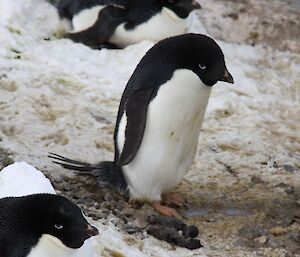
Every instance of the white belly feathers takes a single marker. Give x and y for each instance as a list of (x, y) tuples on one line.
[(49, 246), (162, 25), (170, 138), (86, 18)]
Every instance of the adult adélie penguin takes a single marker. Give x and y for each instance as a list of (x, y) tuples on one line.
[(159, 120), (121, 23)]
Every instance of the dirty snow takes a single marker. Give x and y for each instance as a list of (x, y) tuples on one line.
[(62, 97)]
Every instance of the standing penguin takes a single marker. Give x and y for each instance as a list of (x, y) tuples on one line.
[(34, 222), (159, 119), (124, 22)]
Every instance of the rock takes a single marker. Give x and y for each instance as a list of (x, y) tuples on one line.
[(131, 229), (108, 197), (295, 237), (289, 168), (67, 187), (261, 240), (276, 231), (79, 195), (128, 212)]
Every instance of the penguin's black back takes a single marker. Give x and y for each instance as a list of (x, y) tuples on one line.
[(139, 11), (68, 8), (23, 220), (16, 239)]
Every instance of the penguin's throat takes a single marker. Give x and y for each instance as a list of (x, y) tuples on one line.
[(171, 14)]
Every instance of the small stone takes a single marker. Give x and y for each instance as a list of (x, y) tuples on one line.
[(130, 229), (276, 231), (289, 168), (106, 205), (295, 237), (108, 197), (67, 187), (78, 195), (261, 240), (128, 212)]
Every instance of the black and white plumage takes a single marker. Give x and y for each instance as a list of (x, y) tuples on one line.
[(124, 22), (160, 117), (34, 222), (42, 225)]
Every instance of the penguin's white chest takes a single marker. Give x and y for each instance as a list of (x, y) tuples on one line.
[(49, 246), (170, 138), (86, 18), (162, 25)]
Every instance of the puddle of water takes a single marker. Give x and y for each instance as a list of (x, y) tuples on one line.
[(236, 212), (199, 212), (196, 212)]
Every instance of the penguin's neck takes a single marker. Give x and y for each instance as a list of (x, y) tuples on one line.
[(51, 246)]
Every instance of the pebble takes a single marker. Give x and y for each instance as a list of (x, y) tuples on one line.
[(261, 240), (289, 168), (108, 197), (67, 187), (295, 237), (276, 231), (130, 229), (128, 212)]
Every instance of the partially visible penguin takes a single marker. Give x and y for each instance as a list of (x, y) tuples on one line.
[(124, 22), (159, 119), (34, 222)]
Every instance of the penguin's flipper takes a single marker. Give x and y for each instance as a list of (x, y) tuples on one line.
[(109, 18), (136, 112)]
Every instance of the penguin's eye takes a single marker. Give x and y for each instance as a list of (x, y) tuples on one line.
[(202, 66), (58, 226)]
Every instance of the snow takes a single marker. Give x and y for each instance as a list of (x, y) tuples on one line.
[(59, 96), (20, 179)]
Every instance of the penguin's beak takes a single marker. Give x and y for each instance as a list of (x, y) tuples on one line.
[(195, 5), (191, 5), (92, 231), (227, 77)]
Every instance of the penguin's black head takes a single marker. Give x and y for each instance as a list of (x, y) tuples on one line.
[(64, 220), (181, 8), (203, 56)]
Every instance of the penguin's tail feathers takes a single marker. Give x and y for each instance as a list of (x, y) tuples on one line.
[(106, 173)]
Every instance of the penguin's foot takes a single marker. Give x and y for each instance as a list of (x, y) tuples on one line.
[(173, 198), (165, 210)]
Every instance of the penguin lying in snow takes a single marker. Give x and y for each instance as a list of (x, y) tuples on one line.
[(40, 224), (159, 119), (119, 23)]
